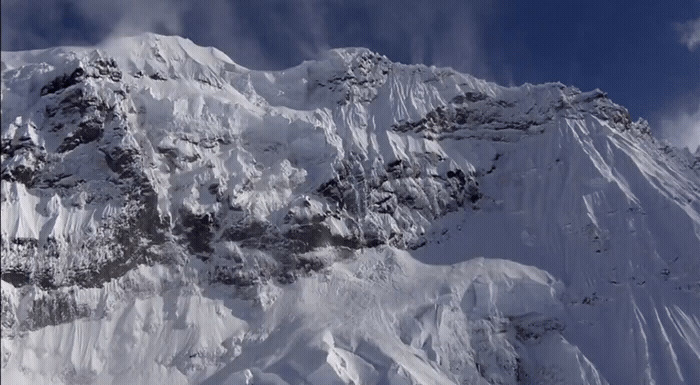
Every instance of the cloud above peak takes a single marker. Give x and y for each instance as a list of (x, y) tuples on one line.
[(682, 128), (31, 24), (270, 34), (690, 33)]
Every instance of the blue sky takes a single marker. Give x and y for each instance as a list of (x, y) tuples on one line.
[(645, 53)]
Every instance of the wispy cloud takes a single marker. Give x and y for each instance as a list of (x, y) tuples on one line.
[(447, 33), (682, 128), (681, 125), (690, 33), (126, 17), (30, 24), (27, 24), (265, 34), (268, 33), (277, 34)]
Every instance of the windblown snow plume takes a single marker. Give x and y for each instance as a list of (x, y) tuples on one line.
[(169, 216)]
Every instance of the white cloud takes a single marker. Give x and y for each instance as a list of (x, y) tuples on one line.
[(683, 129), (41, 23), (448, 34), (127, 17), (690, 33), (269, 34)]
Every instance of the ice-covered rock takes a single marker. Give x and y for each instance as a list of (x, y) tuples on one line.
[(312, 225)]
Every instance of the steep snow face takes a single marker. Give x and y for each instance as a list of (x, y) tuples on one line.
[(148, 182), (418, 324)]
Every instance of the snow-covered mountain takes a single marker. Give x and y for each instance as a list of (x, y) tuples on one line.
[(169, 216)]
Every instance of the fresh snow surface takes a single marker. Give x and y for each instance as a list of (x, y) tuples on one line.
[(169, 216), (382, 317)]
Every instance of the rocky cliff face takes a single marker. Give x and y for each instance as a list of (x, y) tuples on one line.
[(151, 154)]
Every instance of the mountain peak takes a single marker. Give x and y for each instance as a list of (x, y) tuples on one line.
[(162, 47), (351, 54), (403, 223)]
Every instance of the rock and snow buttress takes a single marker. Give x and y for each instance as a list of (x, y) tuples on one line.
[(171, 216)]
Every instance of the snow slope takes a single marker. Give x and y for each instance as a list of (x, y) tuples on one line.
[(381, 318), (168, 215)]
